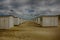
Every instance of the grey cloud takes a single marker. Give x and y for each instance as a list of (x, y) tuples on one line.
[(2, 0), (40, 7)]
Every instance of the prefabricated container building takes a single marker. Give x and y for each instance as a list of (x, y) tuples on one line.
[(6, 21), (49, 20), (16, 20)]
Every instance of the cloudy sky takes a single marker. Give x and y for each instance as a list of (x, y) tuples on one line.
[(31, 8)]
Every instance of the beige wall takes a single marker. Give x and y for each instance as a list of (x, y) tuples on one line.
[(50, 21)]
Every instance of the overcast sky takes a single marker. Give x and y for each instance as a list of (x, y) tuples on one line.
[(30, 8)]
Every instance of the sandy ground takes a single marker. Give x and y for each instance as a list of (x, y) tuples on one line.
[(30, 31)]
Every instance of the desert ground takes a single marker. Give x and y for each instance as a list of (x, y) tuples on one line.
[(30, 31)]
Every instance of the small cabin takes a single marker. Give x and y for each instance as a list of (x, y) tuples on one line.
[(6, 21), (16, 20), (19, 20), (33, 20), (22, 20), (59, 19), (38, 20), (49, 20)]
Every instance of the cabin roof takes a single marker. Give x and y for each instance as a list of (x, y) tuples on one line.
[(47, 15), (7, 14), (4, 14)]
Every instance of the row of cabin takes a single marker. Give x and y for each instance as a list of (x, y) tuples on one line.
[(47, 20), (8, 21), (22, 21)]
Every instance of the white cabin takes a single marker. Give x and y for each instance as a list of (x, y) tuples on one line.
[(16, 21), (51, 20), (6, 21)]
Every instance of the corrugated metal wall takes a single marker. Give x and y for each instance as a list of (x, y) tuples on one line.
[(11, 22), (4, 23), (50, 21)]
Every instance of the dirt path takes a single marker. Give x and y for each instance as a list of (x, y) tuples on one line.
[(29, 31)]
